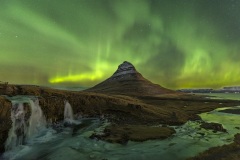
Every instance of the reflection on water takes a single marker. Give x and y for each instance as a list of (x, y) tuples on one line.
[(73, 143)]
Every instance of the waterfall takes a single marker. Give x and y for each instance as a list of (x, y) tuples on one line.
[(37, 120), (18, 131), (68, 113), (25, 124)]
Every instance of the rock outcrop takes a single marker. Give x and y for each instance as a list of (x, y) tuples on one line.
[(216, 127), (5, 120), (122, 134), (232, 111)]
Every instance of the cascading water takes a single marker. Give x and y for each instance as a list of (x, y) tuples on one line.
[(25, 123), (18, 130), (37, 120), (68, 113)]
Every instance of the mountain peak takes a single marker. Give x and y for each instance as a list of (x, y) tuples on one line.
[(124, 69), (125, 65)]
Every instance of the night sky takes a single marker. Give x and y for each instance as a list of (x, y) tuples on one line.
[(175, 43)]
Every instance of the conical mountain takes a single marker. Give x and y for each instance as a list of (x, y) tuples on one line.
[(128, 81)]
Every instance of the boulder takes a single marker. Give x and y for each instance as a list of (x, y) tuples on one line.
[(237, 138), (216, 127)]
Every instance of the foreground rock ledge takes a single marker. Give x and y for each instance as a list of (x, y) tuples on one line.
[(213, 126), (124, 133)]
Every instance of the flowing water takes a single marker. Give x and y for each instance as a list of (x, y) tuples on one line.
[(71, 143), (68, 113)]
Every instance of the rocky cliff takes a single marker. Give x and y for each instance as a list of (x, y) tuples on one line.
[(5, 120)]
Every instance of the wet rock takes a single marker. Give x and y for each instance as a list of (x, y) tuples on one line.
[(225, 152), (237, 138), (3, 87), (202, 134), (123, 133), (27, 110), (195, 118), (216, 127), (231, 111)]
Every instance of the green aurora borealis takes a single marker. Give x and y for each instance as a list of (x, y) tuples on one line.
[(175, 43)]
